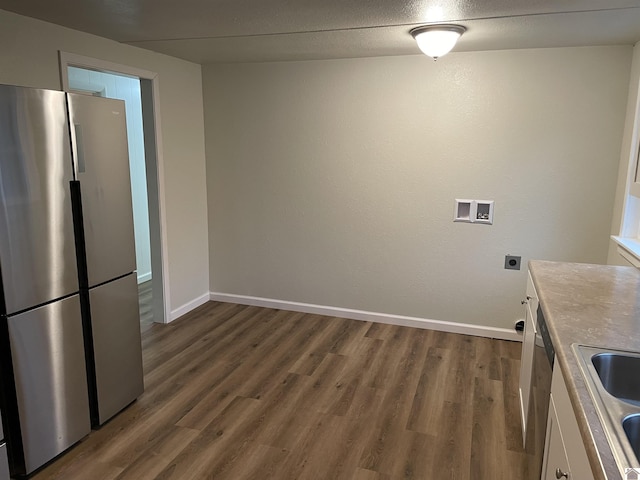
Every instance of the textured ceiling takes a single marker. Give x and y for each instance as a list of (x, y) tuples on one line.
[(207, 31)]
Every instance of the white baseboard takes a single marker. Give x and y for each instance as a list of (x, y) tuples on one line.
[(144, 277), (453, 327), (187, 307)]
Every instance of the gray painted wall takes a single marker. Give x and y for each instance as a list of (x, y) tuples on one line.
[(333, 182)]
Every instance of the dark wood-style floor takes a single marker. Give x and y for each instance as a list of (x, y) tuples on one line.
[(236, 392)]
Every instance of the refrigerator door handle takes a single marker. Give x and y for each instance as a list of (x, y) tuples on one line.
[(79, 149)]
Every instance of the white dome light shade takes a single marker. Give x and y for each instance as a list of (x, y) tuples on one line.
[(437, 40)]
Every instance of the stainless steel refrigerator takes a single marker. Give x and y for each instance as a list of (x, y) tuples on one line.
[(62, 337), (103, 215)]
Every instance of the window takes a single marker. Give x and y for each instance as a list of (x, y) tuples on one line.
[(628, 239)]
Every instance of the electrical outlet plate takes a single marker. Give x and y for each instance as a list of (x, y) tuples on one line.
[(512, 262)]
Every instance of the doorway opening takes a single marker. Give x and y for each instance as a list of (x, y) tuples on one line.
[(136, 88)]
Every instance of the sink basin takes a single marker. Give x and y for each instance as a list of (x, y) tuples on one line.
[(631, 426), (619, 374), (613, 380)]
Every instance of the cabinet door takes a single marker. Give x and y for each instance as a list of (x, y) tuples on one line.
[(568, 426), (555, 463), (532, 296), (526, 360)]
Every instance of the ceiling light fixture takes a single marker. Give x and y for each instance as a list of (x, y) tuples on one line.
[(437, 40)]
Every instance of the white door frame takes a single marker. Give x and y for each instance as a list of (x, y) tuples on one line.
[(71, 59)]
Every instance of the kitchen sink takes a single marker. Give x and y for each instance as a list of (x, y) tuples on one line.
[(613, 380), (619, 375), (631, 426)]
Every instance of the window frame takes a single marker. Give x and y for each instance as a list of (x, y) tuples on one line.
[(628, 238)]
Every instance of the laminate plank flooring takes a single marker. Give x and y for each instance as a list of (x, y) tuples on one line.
[(237, 392)]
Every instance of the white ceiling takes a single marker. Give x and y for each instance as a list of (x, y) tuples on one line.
[(207, 31)]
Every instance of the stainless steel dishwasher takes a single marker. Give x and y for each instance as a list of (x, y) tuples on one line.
[(543, 359)]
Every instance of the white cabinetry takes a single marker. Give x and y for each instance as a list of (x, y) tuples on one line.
[(528, 344), (564, 453), (556, 464)]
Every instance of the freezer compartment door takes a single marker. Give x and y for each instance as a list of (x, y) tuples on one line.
[(47, 350), (115, 325), (101, 158), (37, 250)]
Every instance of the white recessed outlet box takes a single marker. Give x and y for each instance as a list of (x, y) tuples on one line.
[(473, 211), (463, 211)]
